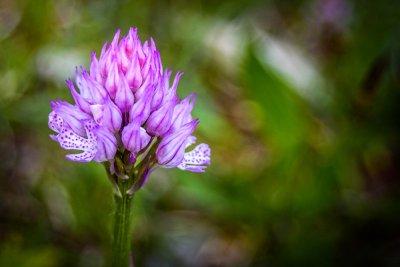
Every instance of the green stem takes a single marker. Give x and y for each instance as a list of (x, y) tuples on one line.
[(122, 227)]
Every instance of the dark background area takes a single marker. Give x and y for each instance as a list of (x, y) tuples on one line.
[(299, 101)]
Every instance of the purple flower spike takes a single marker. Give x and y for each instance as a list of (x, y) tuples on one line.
[(126, 111)]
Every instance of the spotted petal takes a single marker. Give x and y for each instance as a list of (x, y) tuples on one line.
[(56, 123), (196, 160), (72, 141), (85, 156)]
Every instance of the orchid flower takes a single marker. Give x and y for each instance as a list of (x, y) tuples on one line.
[(127, 115)]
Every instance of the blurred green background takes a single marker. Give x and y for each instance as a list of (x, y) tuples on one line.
[(299, 101)]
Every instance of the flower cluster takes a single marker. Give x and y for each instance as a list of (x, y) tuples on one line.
[(126, 110)]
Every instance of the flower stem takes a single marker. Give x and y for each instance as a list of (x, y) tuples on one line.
[(122, 226)]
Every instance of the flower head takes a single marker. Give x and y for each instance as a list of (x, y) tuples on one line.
[(125, 109)]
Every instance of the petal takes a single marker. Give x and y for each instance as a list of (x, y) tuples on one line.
[(140, 111), (105, 61), (70, 140), (171, 92), (65, 108), (124, 97), (123, 60), (97, 112), (115, 40), (100, 144), (79, 100), (134, 137), (146, 68), (85, 156), (97, 91), (71, 115), (176, 80), (56, 123), (133, 74), (112, 118), (94, 66), (107, 115), (197, 159), (131, 40), (182, 111), (106, 144), (112, 77), (157, 97), (90, 125), (159, 121), (82, 84), (170, 151)]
